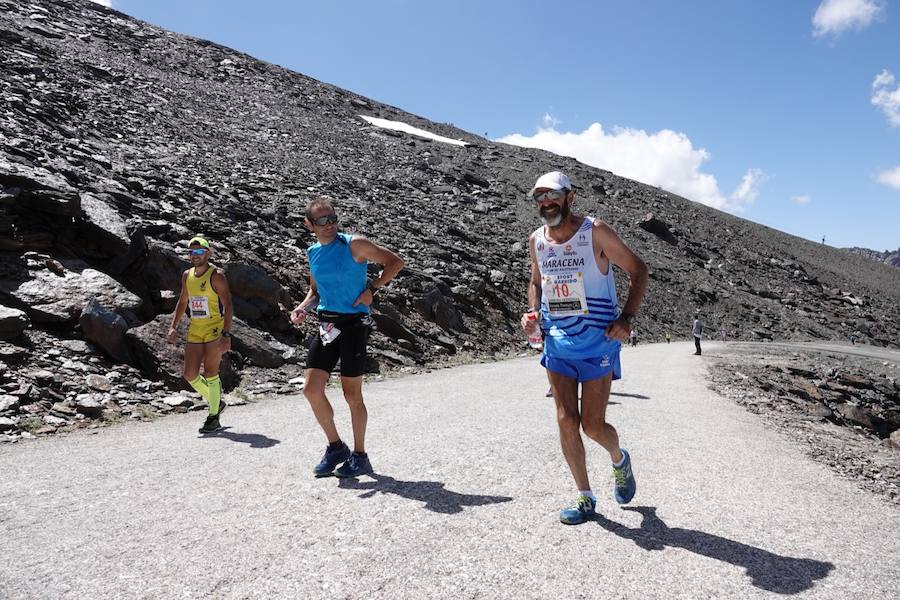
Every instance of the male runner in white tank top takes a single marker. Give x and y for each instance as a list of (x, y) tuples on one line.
[(573, 291)]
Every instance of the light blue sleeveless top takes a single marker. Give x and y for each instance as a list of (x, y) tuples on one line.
[(339, 279), (577, 300)]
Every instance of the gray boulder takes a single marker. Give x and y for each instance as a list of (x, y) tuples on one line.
[(105, 328), (37, 189), (256, 293), (12, 322), (90, 405), (437, 307), (59, 294), (658, 227), (253, 346)]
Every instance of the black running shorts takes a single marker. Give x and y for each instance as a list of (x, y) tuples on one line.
[(349, 347)]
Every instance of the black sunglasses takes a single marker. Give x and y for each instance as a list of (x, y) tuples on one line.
[(539, 197), (325, 220)]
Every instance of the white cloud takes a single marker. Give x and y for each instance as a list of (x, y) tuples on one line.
[(548, 121), (885, 98), (891, 178), (802, 199), (666, 158), (106, 3), (748, 189), (837, 16)]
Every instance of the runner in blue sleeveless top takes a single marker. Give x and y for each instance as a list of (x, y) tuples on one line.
[(573, 291), (340, 293)]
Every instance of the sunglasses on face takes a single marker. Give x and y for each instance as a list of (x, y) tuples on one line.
[(197, 251), (325, 220), (549, 195)]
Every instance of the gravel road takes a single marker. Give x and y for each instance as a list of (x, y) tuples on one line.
[(464, 503)]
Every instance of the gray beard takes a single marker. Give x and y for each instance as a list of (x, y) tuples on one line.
[(557, 220)]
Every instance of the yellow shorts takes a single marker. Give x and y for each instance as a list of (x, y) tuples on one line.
[(203, 331)]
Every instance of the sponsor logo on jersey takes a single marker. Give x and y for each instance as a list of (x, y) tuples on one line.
[(563, 263)]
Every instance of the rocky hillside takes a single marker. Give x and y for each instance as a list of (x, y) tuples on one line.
[(120, 140), (888, 257)]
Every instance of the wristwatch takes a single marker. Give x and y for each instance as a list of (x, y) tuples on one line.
[(629, 318), (372, 289), (226, 334)]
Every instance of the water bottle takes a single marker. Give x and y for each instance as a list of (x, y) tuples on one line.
[(534, 339)]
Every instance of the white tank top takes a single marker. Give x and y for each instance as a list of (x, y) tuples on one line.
[(578, 301)]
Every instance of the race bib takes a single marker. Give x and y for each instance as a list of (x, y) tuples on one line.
[(199, 307), (328, 332), (565, 294)]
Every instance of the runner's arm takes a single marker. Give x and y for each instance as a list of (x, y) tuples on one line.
[(312, 296), (220, 287), (298, 315), (606, 241), (363, 248), (534, 290), (179, 309)]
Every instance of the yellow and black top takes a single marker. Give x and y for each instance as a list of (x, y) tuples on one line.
[(203, 301)]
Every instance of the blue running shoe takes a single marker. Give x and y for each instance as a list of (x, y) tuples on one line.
[(358, 464), (331, 459), (581, 511), (626, 486)]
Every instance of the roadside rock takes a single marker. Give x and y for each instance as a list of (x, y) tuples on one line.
[(105, 328), (12, 322)]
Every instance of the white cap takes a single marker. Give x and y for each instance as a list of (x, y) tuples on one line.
[(553, 180)]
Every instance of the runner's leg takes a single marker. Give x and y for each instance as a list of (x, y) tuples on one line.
[(594, 400), (359, 415), (212, 358), (314, 390), (193, 358), (565, 393)]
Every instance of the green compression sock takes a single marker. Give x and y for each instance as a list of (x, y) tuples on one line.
[(215, 394), (200, 384)]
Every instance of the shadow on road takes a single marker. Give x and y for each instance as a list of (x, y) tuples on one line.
[(432, 493), (772, 572), (624, 395), (255, 440)]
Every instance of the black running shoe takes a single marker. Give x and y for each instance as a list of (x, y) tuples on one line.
[(211, 424), (358, 464), (332, 458)]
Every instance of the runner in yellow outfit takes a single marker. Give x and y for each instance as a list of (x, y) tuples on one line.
[(205, 293)]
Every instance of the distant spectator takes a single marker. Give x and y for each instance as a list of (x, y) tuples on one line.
[(633, 337), (723, 334), (668, 338), (697, 330)]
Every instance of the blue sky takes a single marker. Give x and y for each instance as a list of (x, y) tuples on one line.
[(785, 113)]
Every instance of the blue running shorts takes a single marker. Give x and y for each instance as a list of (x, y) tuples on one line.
[(585, 369)]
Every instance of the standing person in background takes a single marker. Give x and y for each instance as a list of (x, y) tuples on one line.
[(573, 290), (668, 338), (697, 331), (204, 291), (633, 336), (341, 294), (723, 333)]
